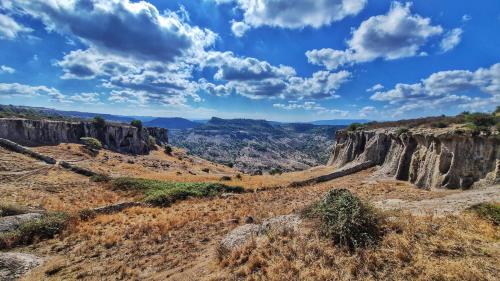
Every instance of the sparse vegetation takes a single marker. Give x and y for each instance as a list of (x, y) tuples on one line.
[(275, 171), (488, 211), (11, 210), (225, 178), (168, 150), (100, 178), (346, 219), (439, 124), (99, 122), (401, 131), (152, 143), (46, 227), (91, 143), (160, 193), (355, 126), (137, 124)]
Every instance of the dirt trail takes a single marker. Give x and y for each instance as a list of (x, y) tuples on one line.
[(449, 204)]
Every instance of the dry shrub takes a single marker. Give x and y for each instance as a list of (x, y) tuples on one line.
[(418, 248)]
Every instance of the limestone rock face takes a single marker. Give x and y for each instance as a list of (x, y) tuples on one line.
[(118, 137), (428, 158)]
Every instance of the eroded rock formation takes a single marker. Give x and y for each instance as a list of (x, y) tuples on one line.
[(428, 158), (118, 137)]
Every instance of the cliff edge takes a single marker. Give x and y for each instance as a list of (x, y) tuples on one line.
[(428, 158), (118, 137)]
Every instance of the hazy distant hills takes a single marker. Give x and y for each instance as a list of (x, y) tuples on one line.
[(258, 145), (172, 123)]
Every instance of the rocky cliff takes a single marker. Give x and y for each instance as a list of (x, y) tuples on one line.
[(118, 137), (426, 157)]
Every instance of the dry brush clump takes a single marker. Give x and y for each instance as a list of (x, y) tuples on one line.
[(456, 247)]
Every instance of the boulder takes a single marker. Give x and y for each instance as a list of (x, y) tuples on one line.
[(12, 223), (243, 234), (14, 265)]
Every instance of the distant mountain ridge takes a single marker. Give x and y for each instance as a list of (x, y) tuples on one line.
[(172, 123)]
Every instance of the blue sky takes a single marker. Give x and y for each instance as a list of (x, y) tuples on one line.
[(284, 60)]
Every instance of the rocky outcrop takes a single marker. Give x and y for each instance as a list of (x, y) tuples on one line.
[(12, 223), (117, 137), (426, 157), (14, 265), (243, 234)]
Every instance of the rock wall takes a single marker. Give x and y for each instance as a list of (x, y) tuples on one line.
[(426, 157), (117, 137)]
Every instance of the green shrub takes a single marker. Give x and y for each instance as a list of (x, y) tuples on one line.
[(480, 119), (401, 131), (46, 227), (100, 178), (161, 193), (346, 219), (355, 126), (275, 171), (488, 211), (137, 124), (168, 150), (99, 122), (439, 125), (152, 142), (206, 170), (225, 178), (11, 210), (91, 143)]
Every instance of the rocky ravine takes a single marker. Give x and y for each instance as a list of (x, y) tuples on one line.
[(425, 157), (118, 137)]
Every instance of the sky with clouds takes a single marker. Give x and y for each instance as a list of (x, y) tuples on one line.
[(284, 60)]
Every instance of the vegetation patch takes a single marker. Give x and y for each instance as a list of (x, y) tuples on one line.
[(11, 210), (100, 178), (346, 219), (91, 143), (46, 227), (161, 193), (488, 211)]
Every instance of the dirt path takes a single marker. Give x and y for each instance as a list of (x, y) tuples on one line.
[(449, 204)]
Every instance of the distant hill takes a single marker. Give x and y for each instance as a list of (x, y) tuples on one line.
[(172, 123), (337, 122), (258, 145)]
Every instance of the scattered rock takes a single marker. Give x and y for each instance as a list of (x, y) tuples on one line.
[(249, 220), (14, 265), (12, 223), (242, 234)]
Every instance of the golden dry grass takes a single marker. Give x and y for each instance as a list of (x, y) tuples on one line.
[(178, 243)]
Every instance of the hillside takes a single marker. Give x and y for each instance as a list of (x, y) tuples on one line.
[(255, 146), (172, 123)]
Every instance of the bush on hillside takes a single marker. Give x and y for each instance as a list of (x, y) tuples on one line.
[(46, 227), (137, 124), (11, 210), (401, 131), (99, 122), (168, 150), (346, 219), (488, 211), (91, 143), (354, 127), (161, 193)]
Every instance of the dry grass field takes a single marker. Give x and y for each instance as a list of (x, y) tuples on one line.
[(179, 242)]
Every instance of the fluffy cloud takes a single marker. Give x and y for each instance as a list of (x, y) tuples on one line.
[(397, 34), (295, 14), (451, 40), (122, 27), (10, 29), (310, 106), (376, 87), (6, 69), (258, 79), (367, 111), (239, 28), (16, 89), (446, 88)]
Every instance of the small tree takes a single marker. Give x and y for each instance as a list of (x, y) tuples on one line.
[(91, 143), (137, 124), (168, 150), (355, 126), (99, 122)]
